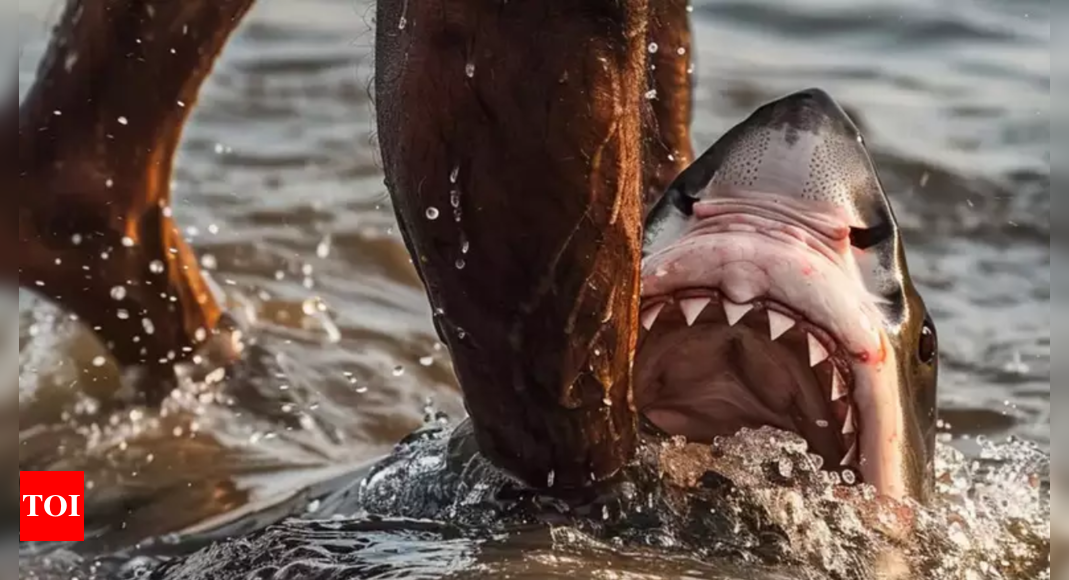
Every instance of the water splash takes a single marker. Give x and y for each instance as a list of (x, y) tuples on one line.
[(758, 497)]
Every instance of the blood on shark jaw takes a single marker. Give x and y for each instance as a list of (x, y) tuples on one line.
[(757, 315)]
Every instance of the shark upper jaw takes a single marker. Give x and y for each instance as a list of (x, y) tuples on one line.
[(758, 315)]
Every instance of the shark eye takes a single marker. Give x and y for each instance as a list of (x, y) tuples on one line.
[(928, 345)]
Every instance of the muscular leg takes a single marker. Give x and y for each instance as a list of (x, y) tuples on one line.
[(97, 136), (668, 145), (511, 138)]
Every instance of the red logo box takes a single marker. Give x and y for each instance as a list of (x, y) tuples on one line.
[(53, 506)]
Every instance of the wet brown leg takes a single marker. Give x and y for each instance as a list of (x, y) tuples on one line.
[(96, 141), (669, 149), (511, 138)]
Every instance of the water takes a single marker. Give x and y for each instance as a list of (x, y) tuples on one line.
[(280, 157)]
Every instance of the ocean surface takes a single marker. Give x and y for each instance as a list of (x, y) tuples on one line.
[(280, 190)]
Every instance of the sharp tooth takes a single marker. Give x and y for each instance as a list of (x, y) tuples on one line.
[(851, 456), (850, 425), (649, 316), (735, 312), (838, 386), (779, 324), (693, 307), (817, 352)]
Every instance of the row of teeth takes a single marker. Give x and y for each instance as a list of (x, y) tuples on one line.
[(779, 324)]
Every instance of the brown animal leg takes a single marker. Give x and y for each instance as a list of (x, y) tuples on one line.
[(668, 147), (96, 141), (511, 138)]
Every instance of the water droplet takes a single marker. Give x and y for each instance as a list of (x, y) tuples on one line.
[(465, 246), (150, 328), (76, 239), (432, 213), (127, 242), (99, 362), (469, 70), (124, 121), (313, 306), (209, 262), (849, 477), (818, 462), (682, 51), (398, 371), (323, 249), (454, 198), (123, 315), (461, 264), (156, 267), (118, 293), (454, 175), (823, 424), (427, 361), (651, 94), (403, 23), (654, 48)]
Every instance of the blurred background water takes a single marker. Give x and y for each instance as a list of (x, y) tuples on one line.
[(280, 191)]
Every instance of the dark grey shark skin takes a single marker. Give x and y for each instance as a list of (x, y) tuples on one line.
[(805, 147)]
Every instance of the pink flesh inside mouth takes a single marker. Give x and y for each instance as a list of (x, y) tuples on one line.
[(758, 315)]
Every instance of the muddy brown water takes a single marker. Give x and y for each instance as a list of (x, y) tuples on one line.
[(281, 193)]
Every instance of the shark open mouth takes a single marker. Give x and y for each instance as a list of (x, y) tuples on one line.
[(710, 367), (755, 316), (775, 294)]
